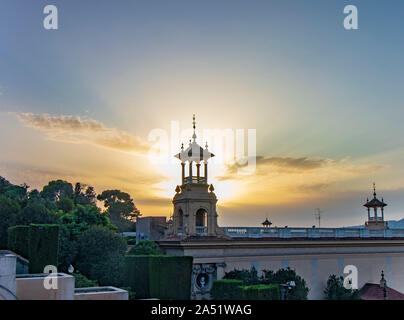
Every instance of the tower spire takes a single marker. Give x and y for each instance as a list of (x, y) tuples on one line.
[(374, 189), (194, 126)]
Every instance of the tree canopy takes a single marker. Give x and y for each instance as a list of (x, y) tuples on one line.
[(88, 237), (279, 277), (120, 208), (335, 290), (145, 247)]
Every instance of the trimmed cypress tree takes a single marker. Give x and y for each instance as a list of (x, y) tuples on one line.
[(136, 275), (18, 240), (170, 277), (163, 277), (39, 243), (43, 246)]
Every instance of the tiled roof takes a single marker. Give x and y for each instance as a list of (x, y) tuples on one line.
[(373, 291), (375, 203)]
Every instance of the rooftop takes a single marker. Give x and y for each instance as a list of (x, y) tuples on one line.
[(373, 291)]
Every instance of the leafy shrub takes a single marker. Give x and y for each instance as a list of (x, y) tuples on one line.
[(335, 290), (227, 289), (130, 240), (249, 277), (100, 255), (261, 292), (81, 281), (68, 248), (282, 276), (145, 247)]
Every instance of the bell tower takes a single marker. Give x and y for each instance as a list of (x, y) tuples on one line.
[(373, 206), (194, 202)]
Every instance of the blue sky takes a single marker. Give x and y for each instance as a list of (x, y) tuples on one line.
[(286, 68)]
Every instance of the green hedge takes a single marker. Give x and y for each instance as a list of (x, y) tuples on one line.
[(229, 289), (261, 292), (43, 247), (158, 276), (18, 240), (39, 243), (174, 277), (136, 275)]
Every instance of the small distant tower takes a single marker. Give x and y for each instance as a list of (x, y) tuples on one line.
[(317, 216), (375, 220), (195, 202), (267, 223)]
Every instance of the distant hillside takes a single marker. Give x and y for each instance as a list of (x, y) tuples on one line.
[(393, 224)]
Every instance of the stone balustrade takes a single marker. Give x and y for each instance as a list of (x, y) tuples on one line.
[(252, 232)]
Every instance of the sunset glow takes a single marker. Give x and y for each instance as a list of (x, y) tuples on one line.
[(326, 127)]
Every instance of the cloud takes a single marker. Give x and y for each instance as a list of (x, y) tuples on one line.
[(285, 180), (265, 165), (300, 164), (73, 129)]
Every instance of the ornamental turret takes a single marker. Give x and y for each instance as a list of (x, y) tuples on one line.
[(194, 154), (194, 202), (375, 217)]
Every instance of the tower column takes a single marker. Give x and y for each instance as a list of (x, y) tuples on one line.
[(183, 172), (368, 214), (209, 222), (175, 222), (190, 171), (206, 172), (198, 166)]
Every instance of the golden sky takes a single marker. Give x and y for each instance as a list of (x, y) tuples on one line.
[(82, 102)]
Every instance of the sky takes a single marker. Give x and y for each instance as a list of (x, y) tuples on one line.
[(81, 103)]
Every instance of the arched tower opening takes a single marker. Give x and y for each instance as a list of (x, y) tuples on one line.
[(201, 221), (180, 220)]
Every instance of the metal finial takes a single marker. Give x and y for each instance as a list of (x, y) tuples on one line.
[(374, 189), (194, 126), (182, 146), (206, 145)]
